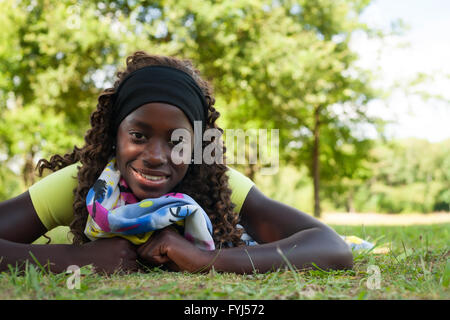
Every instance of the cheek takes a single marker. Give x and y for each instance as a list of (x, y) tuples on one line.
[(183, 160), (181, 170), (125, 152)]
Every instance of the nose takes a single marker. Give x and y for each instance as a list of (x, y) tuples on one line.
[(155, 153)]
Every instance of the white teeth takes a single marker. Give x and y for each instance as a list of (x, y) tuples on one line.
[(152, 178)]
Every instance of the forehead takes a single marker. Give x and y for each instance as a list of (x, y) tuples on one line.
[(158, 115)]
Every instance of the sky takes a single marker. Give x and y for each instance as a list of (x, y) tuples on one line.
[(423, 47)]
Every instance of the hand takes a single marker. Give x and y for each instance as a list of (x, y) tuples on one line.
[(168, 247), (110, 255)]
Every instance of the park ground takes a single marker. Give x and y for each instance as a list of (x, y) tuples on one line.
[(410, 261)]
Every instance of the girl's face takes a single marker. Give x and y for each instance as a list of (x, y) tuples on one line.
[(144, 147)]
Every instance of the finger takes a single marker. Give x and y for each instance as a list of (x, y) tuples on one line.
[(160, 259), (153, 246), (143, 247), (128, 252), (151, 253), (173, 266)]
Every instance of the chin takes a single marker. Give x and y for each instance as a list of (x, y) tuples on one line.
[(152, 194)]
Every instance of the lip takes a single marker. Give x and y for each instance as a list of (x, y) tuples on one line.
[(151, 172), (150, 183)]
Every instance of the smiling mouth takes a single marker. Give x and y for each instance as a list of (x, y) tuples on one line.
[(149, 179)]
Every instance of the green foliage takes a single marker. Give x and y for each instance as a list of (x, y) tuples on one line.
[(405, 176), (11, 186), (288, 186), (416, 197), (273, 64), (391, 179), (53, 55)]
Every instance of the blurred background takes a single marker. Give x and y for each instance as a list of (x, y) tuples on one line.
[(357, 88)]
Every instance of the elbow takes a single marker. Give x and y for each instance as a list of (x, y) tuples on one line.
[(341, 258), (337, 254)]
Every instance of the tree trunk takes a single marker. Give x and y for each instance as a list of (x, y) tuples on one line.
[(28, 170), (250, 172), (349, 203), (315, 162)]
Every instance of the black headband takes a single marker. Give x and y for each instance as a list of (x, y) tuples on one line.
[(160, 84)]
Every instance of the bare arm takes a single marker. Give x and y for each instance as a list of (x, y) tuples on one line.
[(20, 226), (302, 239), (19, 221)]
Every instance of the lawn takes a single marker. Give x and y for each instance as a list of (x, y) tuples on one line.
[(408, 263)]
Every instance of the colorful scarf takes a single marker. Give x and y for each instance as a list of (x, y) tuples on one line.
[(114, 211)]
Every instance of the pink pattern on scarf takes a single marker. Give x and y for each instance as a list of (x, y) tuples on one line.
[(129, 198), (208, 245), (101, 216), (127, 228), (174, 195)]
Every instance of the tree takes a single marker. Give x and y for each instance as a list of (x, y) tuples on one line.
[(282, 64), (277, 65), (409, 175), (53, 56)]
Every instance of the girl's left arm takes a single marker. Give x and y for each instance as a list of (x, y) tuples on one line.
[(283, 233)]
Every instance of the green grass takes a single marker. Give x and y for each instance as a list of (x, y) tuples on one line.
[(417, 266)]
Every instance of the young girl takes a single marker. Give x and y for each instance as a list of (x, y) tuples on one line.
[(127, 161)]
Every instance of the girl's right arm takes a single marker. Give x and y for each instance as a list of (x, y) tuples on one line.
[(20, 226)]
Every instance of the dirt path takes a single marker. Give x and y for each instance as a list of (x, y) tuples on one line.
[(384, 219)]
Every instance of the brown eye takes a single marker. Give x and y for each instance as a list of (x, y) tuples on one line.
[(137, 136)]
